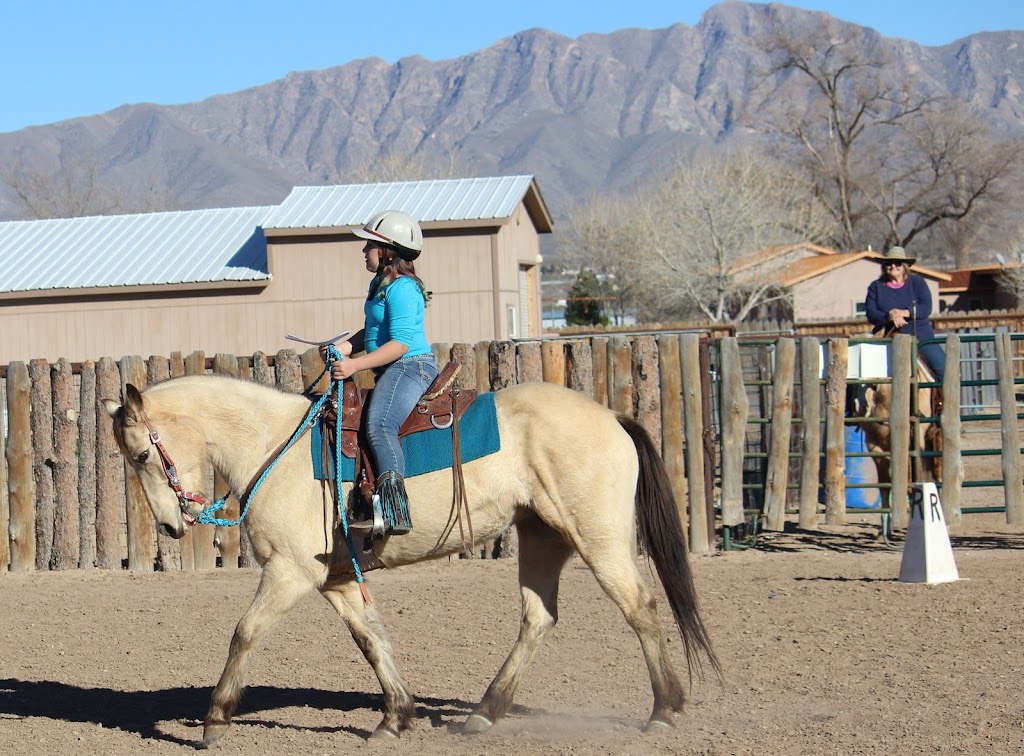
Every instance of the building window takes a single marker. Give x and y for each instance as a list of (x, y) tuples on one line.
[(861, 308), (512, 313)]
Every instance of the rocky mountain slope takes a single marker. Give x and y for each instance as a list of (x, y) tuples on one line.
[(592, 114)]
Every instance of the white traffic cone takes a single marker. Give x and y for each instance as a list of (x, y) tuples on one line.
[(927, 554)]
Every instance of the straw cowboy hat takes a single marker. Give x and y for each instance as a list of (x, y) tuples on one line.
[(896, 254)]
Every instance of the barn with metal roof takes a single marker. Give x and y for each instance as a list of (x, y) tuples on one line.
[(236, 280)]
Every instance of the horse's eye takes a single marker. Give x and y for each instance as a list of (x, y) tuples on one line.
[(142, 456)]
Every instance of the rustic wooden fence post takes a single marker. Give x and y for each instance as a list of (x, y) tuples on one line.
[(735, 410), (21, 497), (620, 375), (835, 425), (482, 359), (204, 552), (1011, 467), (42, 458), (579, 367), (261, 372), (5, 504), (168, 549), (311, 368), (288, 371), (952, 460), (464, 356), (672, 420), (138, 516), (599, 361), (708, 447), (66, 544), (529, 365), (226, 539), (88, 416), (689, 354), (442, 352), (109, 472), (780, 432), (900, 428), (810, 404), (646, 393), (502, 359), (552, 355)]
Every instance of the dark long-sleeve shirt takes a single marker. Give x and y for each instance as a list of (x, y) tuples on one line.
[(914, 296)]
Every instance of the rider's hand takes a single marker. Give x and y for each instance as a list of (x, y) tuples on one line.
[(898, 317), (343, 369)]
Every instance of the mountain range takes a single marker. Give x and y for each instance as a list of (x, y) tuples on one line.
[(594, 114)]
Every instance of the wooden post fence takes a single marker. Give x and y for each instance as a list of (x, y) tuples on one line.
[(71, 501), (810, 410)]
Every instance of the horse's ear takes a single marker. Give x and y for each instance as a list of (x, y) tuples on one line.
[(132, 404), (111, 406)]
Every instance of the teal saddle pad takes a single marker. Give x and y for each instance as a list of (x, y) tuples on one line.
[(429, 450)]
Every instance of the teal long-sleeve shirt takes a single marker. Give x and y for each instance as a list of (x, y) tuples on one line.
[(396, 313)]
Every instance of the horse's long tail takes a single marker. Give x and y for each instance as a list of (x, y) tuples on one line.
[(663, 539)]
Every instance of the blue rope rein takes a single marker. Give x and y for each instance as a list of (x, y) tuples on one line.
[(207, 515)]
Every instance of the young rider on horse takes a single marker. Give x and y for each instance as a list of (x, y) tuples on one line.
[(396, 350)]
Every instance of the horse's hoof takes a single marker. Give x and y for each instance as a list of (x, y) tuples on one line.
[(214, 732), (657, 725), (475, 724), (383, 733)]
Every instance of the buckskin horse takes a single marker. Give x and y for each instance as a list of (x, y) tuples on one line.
[(569, 475), (876, 404)]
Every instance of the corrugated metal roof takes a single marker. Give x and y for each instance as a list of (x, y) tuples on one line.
[(426, 201), (192, 246)]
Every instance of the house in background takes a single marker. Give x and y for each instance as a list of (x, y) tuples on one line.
[(977, 288), (237, 280)]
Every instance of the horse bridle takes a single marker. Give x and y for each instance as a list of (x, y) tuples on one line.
[(184, 497)]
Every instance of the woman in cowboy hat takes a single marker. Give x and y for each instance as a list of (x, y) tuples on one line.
[(900, 302)]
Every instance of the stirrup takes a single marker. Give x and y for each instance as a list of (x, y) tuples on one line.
[(375, 527)]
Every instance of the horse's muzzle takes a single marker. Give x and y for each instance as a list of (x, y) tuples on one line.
[(172, 532)]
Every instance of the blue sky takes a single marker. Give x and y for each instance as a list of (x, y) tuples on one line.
[(63, 59)]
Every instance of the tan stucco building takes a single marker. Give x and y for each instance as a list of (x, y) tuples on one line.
[(238, 280)]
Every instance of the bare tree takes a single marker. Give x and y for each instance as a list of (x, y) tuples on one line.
[(392, 166), (75, 189), (71, 190), (888, 160), (600, 234), (702, 231)]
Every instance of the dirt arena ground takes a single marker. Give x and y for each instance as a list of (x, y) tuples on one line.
[(824, 652)]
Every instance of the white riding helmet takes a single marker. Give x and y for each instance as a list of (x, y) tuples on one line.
[(397, 230)]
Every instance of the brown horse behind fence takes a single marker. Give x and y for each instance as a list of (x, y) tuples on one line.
[(877, 405)]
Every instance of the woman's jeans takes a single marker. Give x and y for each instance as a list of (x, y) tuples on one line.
[(394, 397), (935, 356)]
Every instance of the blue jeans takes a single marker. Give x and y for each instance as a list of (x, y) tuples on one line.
[(394, 396), (935, 356)]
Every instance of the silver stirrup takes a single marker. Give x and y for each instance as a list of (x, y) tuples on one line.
[(379, 527)]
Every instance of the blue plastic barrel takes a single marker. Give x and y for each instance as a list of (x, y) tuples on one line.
[(859, 470)]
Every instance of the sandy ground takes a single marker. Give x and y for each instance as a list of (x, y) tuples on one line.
[(824, 652)]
